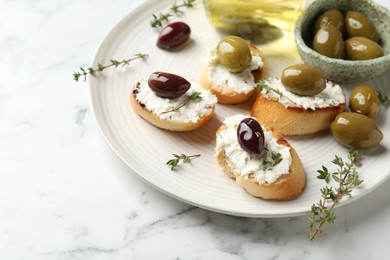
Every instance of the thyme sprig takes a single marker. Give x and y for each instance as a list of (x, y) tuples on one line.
[(347, 178), (195, 96), (158, 20), (172, 163), (83, 72), (384, 99), (276, 158), (262, 85)]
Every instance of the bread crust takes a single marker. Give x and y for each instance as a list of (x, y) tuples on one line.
[(293, 121), (170, 125), (287, 187), (232, 97)]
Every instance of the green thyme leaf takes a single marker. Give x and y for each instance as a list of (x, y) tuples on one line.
[(195, 96), (172, 163), (385, 101), (347, 178), (158, 21), (276, 158), (262, 85), (91, 71)]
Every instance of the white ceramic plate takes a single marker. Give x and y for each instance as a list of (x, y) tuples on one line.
[(145, 148)]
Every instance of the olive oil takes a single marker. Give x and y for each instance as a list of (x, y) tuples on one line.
[(261, 19)]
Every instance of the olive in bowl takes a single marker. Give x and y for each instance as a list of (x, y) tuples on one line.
[(339, 69)]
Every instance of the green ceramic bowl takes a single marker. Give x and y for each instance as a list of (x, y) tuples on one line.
[(344, 70)]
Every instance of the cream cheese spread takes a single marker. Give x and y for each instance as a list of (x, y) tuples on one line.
[(191, 112), (229, 82), (252, 165), (331, 96)]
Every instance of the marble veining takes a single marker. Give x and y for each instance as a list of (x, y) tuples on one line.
[(65, 195)]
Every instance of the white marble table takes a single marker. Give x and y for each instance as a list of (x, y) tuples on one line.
[(65, 195)]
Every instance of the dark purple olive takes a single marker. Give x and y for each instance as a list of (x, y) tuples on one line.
[(250, 136), (167, 85), (173, 35)]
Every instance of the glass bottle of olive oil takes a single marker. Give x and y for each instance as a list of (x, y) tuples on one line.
[(261, 20)]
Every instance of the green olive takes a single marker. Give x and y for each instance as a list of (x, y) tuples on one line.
[(354, 130), (364, 100), (357, 24), (329, 42), (234, 53), (332, 16), (303, 79), (361, 48)]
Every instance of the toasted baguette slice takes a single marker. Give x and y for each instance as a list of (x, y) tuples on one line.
[(293, 121), (231, 97), (286, 187), (167, 124)]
